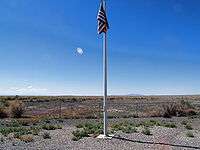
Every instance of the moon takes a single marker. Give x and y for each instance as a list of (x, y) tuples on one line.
[(79, 51)]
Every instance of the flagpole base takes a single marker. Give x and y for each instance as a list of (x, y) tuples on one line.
[(102, 136)]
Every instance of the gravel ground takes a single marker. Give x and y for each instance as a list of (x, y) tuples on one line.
[(162, 139)]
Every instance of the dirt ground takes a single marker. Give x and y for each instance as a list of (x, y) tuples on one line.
[(79, 110), (162, 137)]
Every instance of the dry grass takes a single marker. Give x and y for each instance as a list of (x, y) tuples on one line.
[(152, 113), (74, 107), (81, 112), (29, 121), (26, 138)]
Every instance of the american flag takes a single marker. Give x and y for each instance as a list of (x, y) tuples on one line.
[(102, 20)]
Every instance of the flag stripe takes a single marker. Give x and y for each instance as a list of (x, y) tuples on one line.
[(102, 20)]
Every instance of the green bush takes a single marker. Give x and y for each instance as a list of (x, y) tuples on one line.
[(51, 127), (190, 134), (125, 127), (22, 132), (146, 131), (75, 138), (35, 130), (46, 135), (79, 134), (117, 127), (184, 122), (80, 125), (129, 129), (187, 104), (14, 123), (188, 126), (24, 122), (17, 130), (151, 123), (2, 139), (170, 125), (86, 130)]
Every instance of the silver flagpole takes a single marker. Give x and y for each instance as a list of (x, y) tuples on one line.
[(105, 80), (105, 83)]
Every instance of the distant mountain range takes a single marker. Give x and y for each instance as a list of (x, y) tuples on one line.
[(128, 95), (134, 95)]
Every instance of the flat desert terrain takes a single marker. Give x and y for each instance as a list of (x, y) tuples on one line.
[(74, 122)]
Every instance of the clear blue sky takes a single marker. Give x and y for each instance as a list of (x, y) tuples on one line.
[(153, 47)]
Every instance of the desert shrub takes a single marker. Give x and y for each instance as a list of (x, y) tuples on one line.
[(13, 123), (146, 131), (188, 112), (60, 120), (152, 113), (35, 121), (117, 127), (3, 113), (187, 104), (150, 123), (26, 138), (188, 126), (79, 134), (47, 120), (35, 130), (2, 139), (51, 127), (26, 121), (80, 125), (129, 129), (170, 110), (187, 109), (125, 114), (48, 127), (184, 122), (59, 127), (5, 131), (169, 125), (22, 131), (16, 109), (189, 134), (93, 128), (9, 98), (4, 103), (17, 130), (81, 112), (46, 135), (86, 130), (74, 100), (74, 138), (126, 127), (182, 108), (90, 116)]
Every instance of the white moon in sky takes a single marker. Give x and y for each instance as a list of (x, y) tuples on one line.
[(79, 50)]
